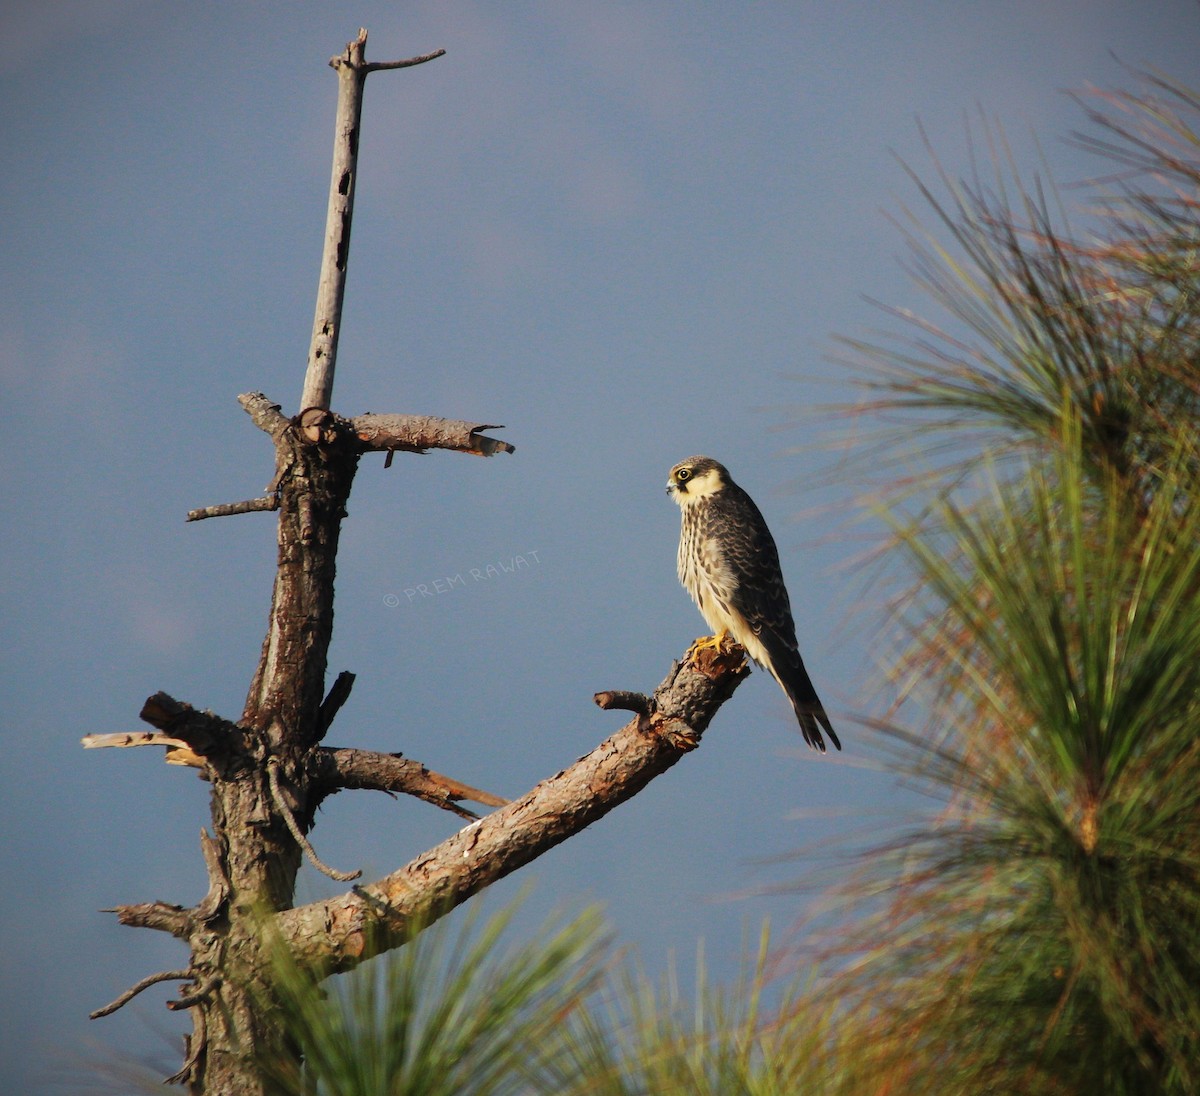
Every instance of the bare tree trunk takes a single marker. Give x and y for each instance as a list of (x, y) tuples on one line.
[(269, 771), (258, 855)]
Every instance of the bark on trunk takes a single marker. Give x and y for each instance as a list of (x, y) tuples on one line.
[(257, 856)]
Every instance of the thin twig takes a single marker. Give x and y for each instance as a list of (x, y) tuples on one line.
[(377, 66), (226, 509), (196, 1045), (301, 840), (197, 996), (134, 990)]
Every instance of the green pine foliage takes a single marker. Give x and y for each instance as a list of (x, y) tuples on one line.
[(638, 1038), (561, 1015), (1042, 934), (452, 1013)]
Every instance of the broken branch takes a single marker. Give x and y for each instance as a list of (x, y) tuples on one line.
[(623, 700), (155, 915), (340, 768), (128, 738), (264, 414), (339, 693), (196, 731), (417, 433), (227, 509)]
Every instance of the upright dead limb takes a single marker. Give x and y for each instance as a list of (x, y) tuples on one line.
[(352, 71)]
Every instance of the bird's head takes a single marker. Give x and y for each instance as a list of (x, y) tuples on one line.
[(696, 478)]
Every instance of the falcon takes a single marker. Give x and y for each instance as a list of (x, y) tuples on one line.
[(728, 562)]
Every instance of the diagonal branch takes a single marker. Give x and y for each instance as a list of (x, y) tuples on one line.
[(339, 933)]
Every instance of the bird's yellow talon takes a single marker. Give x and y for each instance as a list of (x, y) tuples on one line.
[(708, 643)]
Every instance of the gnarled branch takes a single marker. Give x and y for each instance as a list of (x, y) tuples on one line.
[(197, 1043), (201, 993), (218, 882), (364, 433)]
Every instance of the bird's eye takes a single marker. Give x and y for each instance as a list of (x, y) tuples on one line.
[(683, 474)]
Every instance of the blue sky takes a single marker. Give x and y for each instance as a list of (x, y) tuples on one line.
[(630, 232)]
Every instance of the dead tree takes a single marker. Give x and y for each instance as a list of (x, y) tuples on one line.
[(269, 770)]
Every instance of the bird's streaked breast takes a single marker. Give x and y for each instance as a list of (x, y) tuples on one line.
[(705, 573)]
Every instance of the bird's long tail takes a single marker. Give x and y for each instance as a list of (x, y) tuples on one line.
[(810, 712)]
